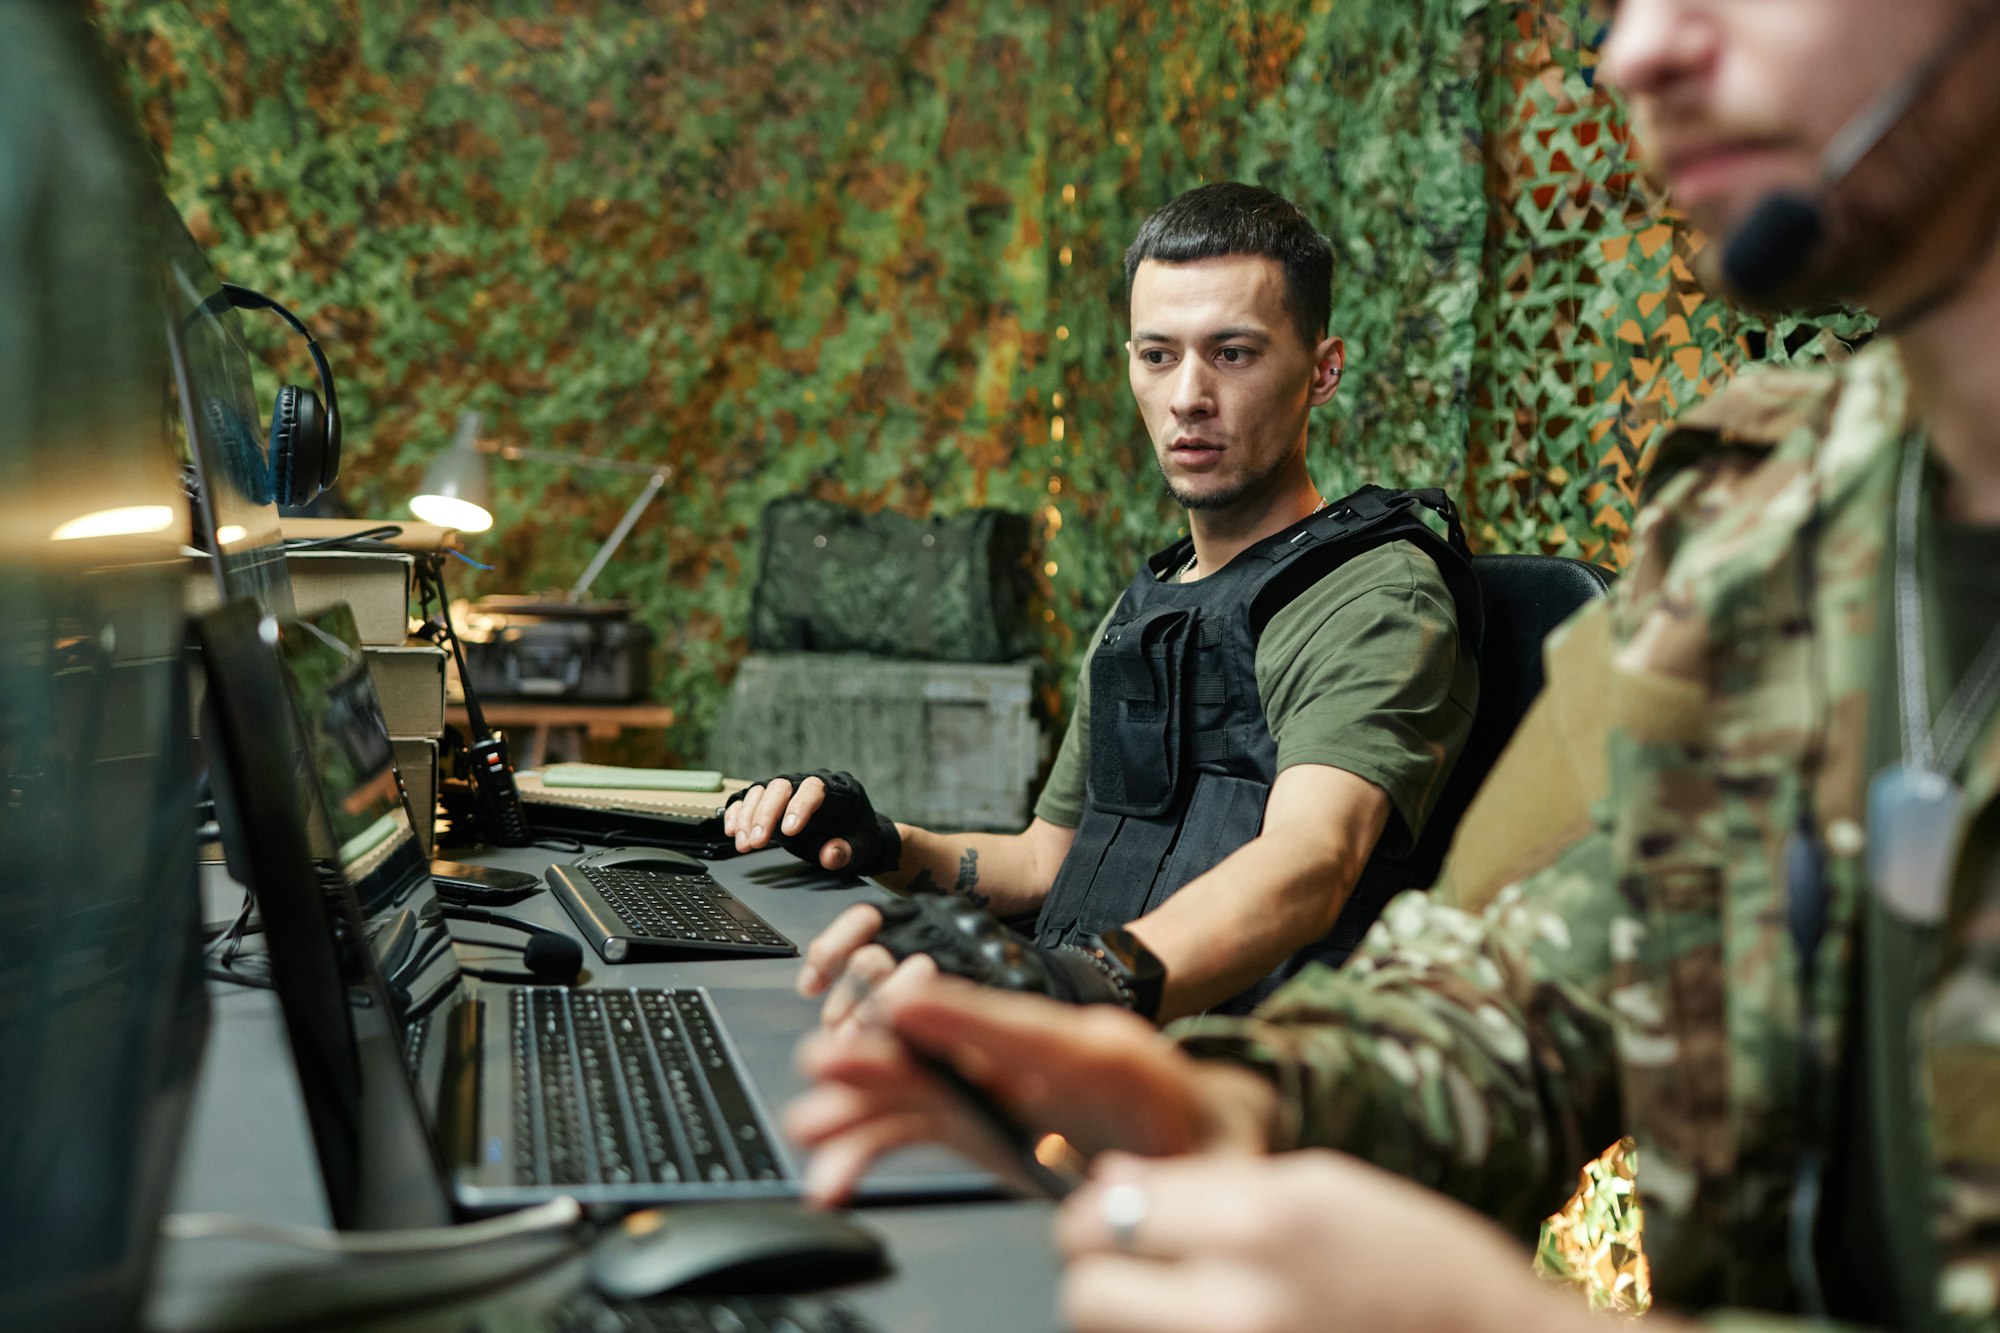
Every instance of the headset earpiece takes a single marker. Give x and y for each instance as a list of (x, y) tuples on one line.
[(305, 432), (300, 448)]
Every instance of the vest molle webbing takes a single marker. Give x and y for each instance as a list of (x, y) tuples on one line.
[(1181, 758)]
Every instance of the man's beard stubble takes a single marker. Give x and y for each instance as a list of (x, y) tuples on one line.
[(1246, 488), (1879, 212)]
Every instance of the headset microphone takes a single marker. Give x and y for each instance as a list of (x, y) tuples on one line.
[(1769, 252), (1776, 246), (551, 957)]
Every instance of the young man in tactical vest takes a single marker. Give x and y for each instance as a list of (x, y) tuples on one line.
[(1735, 890), (1263, 721)]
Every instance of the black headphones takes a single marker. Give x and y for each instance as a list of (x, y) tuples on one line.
[(305, 435)]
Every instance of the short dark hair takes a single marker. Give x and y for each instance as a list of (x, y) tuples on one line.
[(1231, 218)]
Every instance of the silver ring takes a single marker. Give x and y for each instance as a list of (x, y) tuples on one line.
[(1124, 1209)]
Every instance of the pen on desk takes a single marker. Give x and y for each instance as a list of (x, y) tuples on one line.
[(1020, 1143)]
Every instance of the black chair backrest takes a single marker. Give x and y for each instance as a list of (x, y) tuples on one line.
[(1526, 596)]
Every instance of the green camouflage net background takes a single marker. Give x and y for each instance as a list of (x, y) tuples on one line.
[(870, 250)]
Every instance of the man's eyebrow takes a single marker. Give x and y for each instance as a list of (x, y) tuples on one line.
[(1245, 334)]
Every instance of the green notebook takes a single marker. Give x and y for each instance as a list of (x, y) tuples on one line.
[(648, 779)]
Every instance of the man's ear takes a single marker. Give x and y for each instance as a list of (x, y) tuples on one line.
[(1329, 358)]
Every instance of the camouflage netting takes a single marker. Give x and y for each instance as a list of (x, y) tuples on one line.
[(869, 249)]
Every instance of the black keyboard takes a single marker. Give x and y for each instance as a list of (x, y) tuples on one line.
[(707, 1314), (619, 1087), (630, 915)]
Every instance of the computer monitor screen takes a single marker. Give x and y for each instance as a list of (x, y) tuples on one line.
[(357, 942), (373, 839), (102, 1002), (227, 445)]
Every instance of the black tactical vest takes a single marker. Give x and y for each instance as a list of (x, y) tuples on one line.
[(1181, 759)]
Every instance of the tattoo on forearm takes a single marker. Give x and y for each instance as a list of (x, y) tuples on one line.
[(968, 878)]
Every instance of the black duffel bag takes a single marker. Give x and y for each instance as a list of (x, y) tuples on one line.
[(835, 580)]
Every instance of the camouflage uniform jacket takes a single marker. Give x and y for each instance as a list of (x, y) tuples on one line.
[(1626, 968)]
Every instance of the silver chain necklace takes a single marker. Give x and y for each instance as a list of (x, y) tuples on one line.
[(1937, 748), (1192, 560), (1913, 806)]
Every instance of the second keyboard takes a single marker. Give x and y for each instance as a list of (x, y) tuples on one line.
[(634, 915)]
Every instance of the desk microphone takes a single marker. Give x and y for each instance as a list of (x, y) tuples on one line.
[(552, 958), (1777, 245)]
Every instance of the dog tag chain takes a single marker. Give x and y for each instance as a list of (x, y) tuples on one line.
[(1913, 807)]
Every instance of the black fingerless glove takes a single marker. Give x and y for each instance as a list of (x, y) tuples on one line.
[(968, 941), (845, 813)]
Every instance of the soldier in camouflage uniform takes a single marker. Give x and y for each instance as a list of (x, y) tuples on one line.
[(1704, 899)]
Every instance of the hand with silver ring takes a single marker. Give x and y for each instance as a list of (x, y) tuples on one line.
[(1124, 1207), (1300, 1242)]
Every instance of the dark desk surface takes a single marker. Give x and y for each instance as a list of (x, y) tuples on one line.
[(965, 1266)]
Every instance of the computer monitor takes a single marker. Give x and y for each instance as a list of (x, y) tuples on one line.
[(355, 935), (102, 1002), (227, 445)]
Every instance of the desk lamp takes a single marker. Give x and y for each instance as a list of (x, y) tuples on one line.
[(457, 490)]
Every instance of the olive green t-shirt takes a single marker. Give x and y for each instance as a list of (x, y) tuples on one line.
[(1362, 671)]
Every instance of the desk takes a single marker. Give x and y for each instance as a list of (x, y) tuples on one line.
[(544, 719), (959, 1268)]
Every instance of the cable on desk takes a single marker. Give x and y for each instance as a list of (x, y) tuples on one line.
[(369, 539), (225, 967), (216, 972), (556, 1215), (234, 931)]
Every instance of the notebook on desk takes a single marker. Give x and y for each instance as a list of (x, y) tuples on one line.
[(428, 1093), (686, 821)]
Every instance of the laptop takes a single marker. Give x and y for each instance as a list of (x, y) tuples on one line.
[(517, 1094), (522, 1092)]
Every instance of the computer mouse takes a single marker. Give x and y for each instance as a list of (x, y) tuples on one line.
[(746, 1248), (644, 858)]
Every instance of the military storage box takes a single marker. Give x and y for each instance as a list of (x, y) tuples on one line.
[(946, 745), (836, 580), (579, 652)]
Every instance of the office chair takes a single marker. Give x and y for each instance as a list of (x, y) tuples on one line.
[(1526, 597)]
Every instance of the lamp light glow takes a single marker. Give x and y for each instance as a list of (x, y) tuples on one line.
[(457, 489), (128, 521), (451, 512)]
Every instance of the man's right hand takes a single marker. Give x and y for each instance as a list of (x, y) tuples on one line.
[(846, 950), (867, 944), (1101, 1077)]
